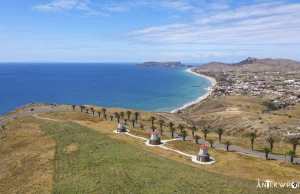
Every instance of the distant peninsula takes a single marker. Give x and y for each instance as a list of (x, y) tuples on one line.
[(163, 64)]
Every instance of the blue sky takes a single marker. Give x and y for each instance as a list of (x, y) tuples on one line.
[(148, 30)]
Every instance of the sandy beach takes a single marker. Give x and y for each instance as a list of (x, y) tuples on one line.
[(211, 79), (201, 98)]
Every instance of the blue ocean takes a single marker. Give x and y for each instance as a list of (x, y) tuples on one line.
[(103, 84)]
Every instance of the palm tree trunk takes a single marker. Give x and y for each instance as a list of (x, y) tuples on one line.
[(172, 134), (271, 147), (252, 142), (219, 138), (227, 148), (292, 159), (193, 133), (294, 147), (183, 138)]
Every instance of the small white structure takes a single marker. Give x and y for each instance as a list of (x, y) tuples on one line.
[(289, 81), (203, 155), (154, 140), (121, 127)]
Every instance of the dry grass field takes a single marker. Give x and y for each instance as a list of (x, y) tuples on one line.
[(83, 140), (242, 166), (240, 115), (106, 165), (27, 157)]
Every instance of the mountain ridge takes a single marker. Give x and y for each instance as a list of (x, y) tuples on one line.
[(255, 64)]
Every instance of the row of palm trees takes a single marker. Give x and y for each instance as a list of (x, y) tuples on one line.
[(127, 116)]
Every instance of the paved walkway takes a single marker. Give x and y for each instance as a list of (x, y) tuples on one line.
[(163, 146), (201, 141)]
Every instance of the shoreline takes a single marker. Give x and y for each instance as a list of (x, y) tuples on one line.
[(201, 98)]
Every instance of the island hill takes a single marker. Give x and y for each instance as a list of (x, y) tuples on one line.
[(163, 64), (254, 65)]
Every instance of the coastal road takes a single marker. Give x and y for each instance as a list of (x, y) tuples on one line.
[(232, 148)]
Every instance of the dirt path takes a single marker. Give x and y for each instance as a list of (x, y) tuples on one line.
[(44, 118)]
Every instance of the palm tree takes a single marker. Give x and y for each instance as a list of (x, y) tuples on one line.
[(171, 124), (211, 142), (267, 151), (153, 128), (82, 108), (196, 137), (99, 113), (294, 141), (172, 129), (122, 114), (103, 110), (205, 131), (227, 143), (292, 154), (193, 129), (152, 120), (93, 110), (105, 115), (252, 136), (181, 128), (161, 131), (111, 117), (136, 115), (117, 115), (73, 106), (128, 113), (161, 123), (87, 110), (184, 134), (133, 121), (220, 133), (271, 140)]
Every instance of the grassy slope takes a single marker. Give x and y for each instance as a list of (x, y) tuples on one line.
[(26, 157), (241, 165), (239, 115), (249, 170), (106, 165)]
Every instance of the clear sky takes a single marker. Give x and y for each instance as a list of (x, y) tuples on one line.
[(148, 30)]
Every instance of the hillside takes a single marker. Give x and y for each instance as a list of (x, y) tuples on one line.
[(254, 64), (74, 152)]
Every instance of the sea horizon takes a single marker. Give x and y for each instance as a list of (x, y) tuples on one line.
[(149, 88)]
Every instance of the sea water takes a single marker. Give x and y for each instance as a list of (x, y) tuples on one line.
[(103, 84)]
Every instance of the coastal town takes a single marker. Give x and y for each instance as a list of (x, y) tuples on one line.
[(281, 89)]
